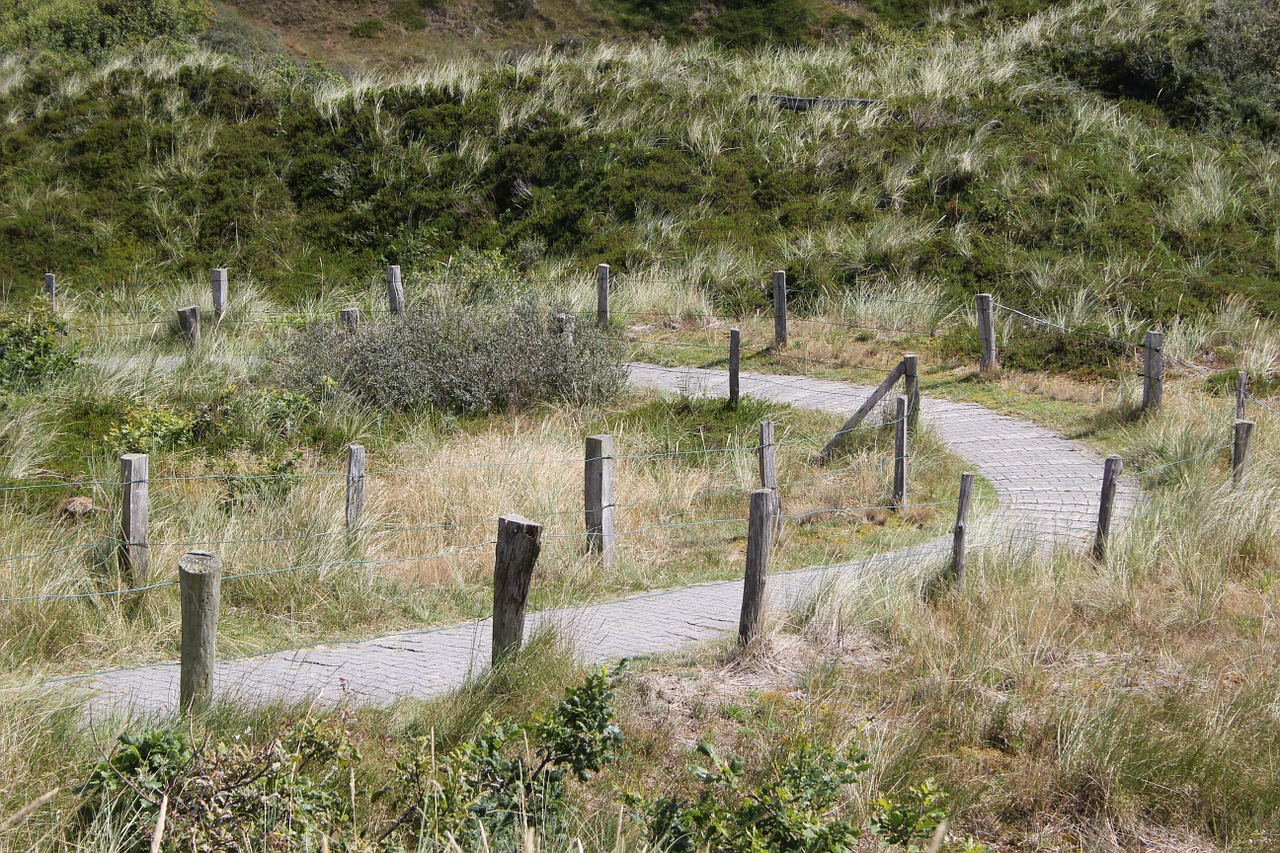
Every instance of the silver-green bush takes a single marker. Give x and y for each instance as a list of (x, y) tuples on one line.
[(466, 359)]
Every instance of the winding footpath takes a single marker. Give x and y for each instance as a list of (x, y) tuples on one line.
[(1047, 487)]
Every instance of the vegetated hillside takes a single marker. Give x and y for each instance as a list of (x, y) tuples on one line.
[(1126, 150), (387, 33)]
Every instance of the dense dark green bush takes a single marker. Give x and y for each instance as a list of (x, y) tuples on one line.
[(33, 347), (1223, 69), (368, 29), (91, 28), (468, 359), (1087, 351), (1240, 54)]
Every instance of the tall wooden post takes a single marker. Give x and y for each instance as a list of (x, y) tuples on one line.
[(602, 296), (395, 290), (900, 452), (599, 498), (735, 366), (1242, 394), (519, 543), (780, 309), (1153, 370), (986, 332), (219, 293), (200, 591), (911, 388), (355, 486), (1111, 471), (961, 529), (760, 527), (350, 319), (766, 455), (1240, 452), (189, 322), (51, 290), (135, 553)]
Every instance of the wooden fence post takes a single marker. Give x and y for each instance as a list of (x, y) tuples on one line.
[(219, 293), (986, 332), (135, 553), (519, 543), (900, 449), (351, 319), (1153, 370), (355, 486), (961, 529), (51, 290), (760, 527), (602, 296), (767, 456), (189, 322), (911, 388), (200, 589), (1240, 453), (564, 325), (395, 290), (735, 366), (599, 498), (780, 309), (1110, 475), (1242, 394)]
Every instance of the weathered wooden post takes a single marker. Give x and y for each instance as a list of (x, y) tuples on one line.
[(519, 543), (780, 309), (200, 591), (599, 498), (766, 455), (602, 296), (51, 290), (735, 366), (564, 325), (1240, 453), (350, 319), (900, 449), (189, 322), (760, 527), (135, 554), (1242, 394), (219, 293), (355, 486), (986, 332), (911, 388), (1110, 476), (395, 290), (1153, 370), (960, 531)]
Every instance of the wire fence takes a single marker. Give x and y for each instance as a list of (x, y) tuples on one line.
[(682, 504)]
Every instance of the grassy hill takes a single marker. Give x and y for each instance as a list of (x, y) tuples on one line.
[(1095, 146)]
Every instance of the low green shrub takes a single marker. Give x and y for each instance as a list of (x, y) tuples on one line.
[(147, 429), (368, 29), (464, 359), (93, 28), (1085, 352), (33, 348), (281, 794)]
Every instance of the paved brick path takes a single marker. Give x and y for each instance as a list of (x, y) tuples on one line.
[(1047, 487)]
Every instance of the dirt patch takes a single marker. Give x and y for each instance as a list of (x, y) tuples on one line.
[(689, 704)]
